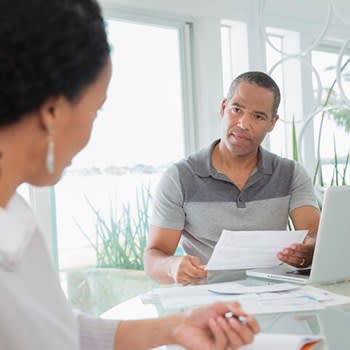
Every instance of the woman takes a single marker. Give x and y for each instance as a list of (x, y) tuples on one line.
[(54, 73)]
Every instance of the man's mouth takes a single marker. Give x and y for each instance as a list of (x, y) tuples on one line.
[(240, 137)]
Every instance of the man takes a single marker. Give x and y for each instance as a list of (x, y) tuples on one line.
[(234, 184)]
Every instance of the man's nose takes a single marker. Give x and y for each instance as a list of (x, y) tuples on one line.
[(243, 121)]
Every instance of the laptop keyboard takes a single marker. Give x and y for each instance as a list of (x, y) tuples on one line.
[(302, 272)]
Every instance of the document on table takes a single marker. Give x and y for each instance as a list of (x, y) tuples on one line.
[(237, 288), (263, 341), (303, 298), (241, 250)]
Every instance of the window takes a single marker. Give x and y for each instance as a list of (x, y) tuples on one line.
[(332, 124), (286, 71), (234, 51), (226, 51), (107, 190), (150, 104), (278, 139)]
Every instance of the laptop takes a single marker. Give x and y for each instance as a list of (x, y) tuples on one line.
[(331, 260)]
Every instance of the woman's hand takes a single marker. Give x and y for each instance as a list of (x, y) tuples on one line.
[(207, 328)]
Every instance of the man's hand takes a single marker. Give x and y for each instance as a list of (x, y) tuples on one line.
[(208, 329), (298, 255), (187, 269)]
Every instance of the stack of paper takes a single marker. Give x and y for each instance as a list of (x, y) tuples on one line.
[(263, 299), (236, 288)]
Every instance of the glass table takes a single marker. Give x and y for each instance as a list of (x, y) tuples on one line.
[(333, 322)]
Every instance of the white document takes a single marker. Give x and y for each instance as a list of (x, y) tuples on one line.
[(237, 250), (264, 341), (303, 298), (237, 288)]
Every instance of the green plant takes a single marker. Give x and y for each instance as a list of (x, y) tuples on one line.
[(294, 141), (295, 156), (120, 241), (342, 117)]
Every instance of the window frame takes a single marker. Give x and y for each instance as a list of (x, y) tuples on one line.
[(201, 69), (333, 47), (43, 199)]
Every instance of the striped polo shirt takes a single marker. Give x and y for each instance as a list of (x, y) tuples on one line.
[(200, 202)]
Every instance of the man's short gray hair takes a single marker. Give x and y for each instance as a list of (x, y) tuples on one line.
[(260, 79)]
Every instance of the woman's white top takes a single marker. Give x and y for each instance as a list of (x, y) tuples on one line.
[(34, 313)]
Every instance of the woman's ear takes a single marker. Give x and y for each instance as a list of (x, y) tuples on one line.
[(48, 113)]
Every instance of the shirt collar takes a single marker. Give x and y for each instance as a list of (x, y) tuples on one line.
[(17, 224), (265, 161), (203, 166)]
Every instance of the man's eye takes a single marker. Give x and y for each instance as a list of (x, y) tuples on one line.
[(235, 109), (260, 117)]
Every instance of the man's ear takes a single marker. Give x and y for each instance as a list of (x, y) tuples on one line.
[(223, 106), (273, 123)]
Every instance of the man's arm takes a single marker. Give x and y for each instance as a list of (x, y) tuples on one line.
[(300, 255), (161, 264), (306, 218)]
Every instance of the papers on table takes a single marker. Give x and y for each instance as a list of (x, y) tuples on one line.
[(251, 249), (236, 288), (263, 341), (290, 300)]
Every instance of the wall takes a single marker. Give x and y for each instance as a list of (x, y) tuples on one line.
[(309, 17)]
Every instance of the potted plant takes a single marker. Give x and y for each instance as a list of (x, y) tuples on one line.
[(119, 244)]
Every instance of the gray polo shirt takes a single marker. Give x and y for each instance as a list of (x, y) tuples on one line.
[(194, 198)]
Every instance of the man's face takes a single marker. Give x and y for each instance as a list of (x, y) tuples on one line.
[(247, 118)]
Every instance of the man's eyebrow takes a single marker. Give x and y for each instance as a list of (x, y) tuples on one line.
[(237, 104)]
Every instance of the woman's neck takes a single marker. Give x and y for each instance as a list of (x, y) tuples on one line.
[(12, 158), (6, 194)]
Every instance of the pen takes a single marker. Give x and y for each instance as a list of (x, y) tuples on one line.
[(230, 314)]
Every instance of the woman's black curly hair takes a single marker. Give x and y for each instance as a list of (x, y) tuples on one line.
[(47, 48)]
